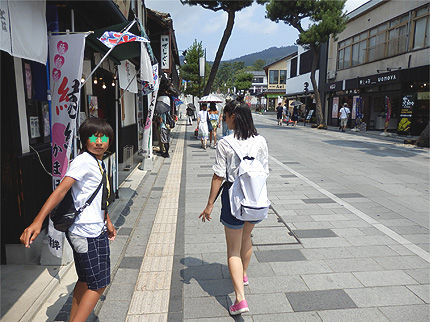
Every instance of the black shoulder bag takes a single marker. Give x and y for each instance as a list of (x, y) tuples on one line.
[(65, 213)]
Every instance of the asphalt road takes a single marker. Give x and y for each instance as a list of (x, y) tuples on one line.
[(384, 180)]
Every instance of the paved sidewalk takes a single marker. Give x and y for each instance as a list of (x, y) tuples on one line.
[(316, 258)]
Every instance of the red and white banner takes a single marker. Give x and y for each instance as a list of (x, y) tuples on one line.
[(66, 54)]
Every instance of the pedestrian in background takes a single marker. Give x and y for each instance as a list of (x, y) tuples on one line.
[(279, 112), (214, 119), (202, 125), (295, 116), (343, 116), (164, 135), (225, 130), (190, 114), (89, 235), (237, 232)]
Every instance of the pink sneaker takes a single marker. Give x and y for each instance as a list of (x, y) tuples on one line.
[(239, 308), (245, 280)]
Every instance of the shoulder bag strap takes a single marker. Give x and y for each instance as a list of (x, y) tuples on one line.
[(235, 146), (90, 200)]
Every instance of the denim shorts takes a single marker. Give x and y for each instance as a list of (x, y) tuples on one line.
[(227, 219), (92, 259)]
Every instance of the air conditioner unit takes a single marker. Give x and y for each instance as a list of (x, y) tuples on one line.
[(331, 74)]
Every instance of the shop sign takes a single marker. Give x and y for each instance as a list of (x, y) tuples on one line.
[(423, 96), (334, 87), (276, 86), (408, 102), (379, 79), (165, 52)]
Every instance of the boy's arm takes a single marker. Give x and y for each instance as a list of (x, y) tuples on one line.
[(31, 232), (110, 228)]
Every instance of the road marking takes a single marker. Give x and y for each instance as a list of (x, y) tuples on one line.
[(387, 231), (152, 293)]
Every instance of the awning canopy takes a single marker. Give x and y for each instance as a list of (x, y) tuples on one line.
[(121, 52)]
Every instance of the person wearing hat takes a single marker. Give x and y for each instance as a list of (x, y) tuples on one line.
[(343, 116)]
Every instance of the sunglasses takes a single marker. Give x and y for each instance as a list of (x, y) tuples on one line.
[(93, 138)]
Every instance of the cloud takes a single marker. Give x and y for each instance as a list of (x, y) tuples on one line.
[(216, 23)]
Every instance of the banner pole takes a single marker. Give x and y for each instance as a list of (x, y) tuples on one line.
[(105, 56)]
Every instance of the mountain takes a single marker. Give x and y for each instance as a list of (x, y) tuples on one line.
[(269, 55)]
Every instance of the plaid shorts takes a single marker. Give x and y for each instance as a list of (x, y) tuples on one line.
[(92, 259)]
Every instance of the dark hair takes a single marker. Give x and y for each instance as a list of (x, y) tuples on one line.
[(92, 126), (243, 123), (203, 107), (212, 107)]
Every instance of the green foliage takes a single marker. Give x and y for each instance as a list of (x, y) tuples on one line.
[(189, 71), (326, 18), (243, 80), (259, 64), (227, 74), (219, 5)]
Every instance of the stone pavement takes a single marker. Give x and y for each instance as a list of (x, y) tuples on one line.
[(316, 258)]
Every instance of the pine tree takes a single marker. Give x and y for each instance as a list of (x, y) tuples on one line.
[(326, 19)]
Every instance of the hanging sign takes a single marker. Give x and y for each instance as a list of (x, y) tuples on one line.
[(335, 109), (66, 55), (165, 46), (127, 76)]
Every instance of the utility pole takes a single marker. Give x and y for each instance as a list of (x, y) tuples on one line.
[(305, 90)]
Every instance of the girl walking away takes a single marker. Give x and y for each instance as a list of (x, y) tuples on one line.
[(89, 235), (227, 163), (214, 119), (202, 125)]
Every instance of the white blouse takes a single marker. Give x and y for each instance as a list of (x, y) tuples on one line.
[(227, 161)]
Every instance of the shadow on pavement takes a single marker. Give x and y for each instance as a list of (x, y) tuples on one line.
[(210, 278), (376, 149)]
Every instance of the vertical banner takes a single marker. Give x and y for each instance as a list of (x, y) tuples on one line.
[(404, 126), (335, 109), (355, 101), (165, 64), (66, 55), (5, 43)]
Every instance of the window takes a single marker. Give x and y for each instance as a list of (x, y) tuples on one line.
[(293, 67), (421, 28), (388, 39), (305, 62), (282, 77), (257, 80), (273, 76)]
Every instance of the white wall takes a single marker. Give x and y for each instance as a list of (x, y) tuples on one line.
[(296, 84)]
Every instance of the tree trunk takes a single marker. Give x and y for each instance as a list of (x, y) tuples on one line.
[(219, 53), (318, 108), (423, 140)]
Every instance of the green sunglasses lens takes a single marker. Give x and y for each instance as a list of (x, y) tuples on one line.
[(104, 138), (93, 138)]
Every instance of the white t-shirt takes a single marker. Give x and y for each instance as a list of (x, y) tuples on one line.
[(344, 112), (203, 116), (86, 172), (227, 161)]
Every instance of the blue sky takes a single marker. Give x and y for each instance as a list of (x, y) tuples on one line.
[(252, 32)]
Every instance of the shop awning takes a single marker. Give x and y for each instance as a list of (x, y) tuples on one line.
[(122, 52)]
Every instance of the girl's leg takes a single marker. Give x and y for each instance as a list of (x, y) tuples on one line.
[(201, 140), (88, 302), (246, 248), (234, 240), (78, 292), (210, 138), (214, 138)]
